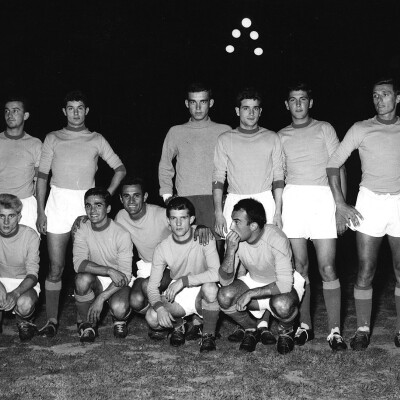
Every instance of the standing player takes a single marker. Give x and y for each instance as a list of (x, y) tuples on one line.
[(377, 209), (309, 209), (19, 158), (260, 256), (71, 154), (193, 144), (250, 157), (194, 270), (19, 266), (103, 262)]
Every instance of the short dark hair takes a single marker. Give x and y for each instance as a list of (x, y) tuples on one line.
[(296, 86), (254, 209), (101, 192), (10, 202), (76, 95), (130, 181), (180, 203), (248, 93), (18, 97), (196, 87), (388, 81)]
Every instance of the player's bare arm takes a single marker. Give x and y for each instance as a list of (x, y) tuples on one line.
[(232, 244), (278, 207), (173, 289), (97, 306), (28, 283), (119, 174), (204, 234), (118, 278), (165, 318), (41, 188), (256, 293), (220, 222)]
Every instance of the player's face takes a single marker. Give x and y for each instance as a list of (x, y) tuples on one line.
[(240, 225), (96, 210), (133, 199), (14, 114), (249, 113), (299, 104), (9, 220), (385, 101), (180, 221), (199, 104), (75, 111)]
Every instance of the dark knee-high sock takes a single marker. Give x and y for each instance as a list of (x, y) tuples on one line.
[(332, 296), (53, 290), (242, 318), (83, 304), (210, 316), (305, 315), (363, 301), (397, 302)]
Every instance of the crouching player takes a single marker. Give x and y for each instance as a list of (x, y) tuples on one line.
[(19, 266), (102, 253), (265, 277), (194, 270)]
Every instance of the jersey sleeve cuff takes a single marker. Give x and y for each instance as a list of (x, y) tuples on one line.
[(42, 175), (33, 277), (120, 168), (218, 185), (185, 281), (226, 276), (332, 171), (82, 266), (158, 305), (278, 184)]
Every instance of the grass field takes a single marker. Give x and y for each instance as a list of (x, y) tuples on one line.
[(137, 368)]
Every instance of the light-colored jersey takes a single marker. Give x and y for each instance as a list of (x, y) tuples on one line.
[(19, 156), (306, 150), (197, 263), (379, 147), (193, 146), (19, 254), (250, 161), (267, 260), (109, 246), (72, 157), (146, 232)]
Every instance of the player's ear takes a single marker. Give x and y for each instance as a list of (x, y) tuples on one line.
[(26, 116), (192, 218), (253, 226), (86, 110), (108, 209), (287, 105), (186, 104), (260, 111), (64, 111), (146, 195), (237, 111), (311, 103), (211, 102), (19, 216)]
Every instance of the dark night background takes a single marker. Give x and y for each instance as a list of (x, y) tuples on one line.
[(134, 60)]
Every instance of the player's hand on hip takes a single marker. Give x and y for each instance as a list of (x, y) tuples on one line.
[(204, 233), (232, 241), (119, 279), (165, 318), (41, 223), (220, 225)]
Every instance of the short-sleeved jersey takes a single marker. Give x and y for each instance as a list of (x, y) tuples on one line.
[(251, 162), (193, 146), (19, 253), (306, 149), (198, 263), (146, 232), (72, 157), (378, 144), (268, 260), (109, 246), (19, 156)]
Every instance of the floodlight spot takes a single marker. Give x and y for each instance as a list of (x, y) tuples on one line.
[(258, 51), (236, 33), (229, 49), (246, 22), (254, 35)]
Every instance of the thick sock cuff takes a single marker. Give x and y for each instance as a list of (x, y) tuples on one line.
[(84, 298), (362, 293), (53, 286), (331, 285), (24, 317), (230, 310), (214, 306)]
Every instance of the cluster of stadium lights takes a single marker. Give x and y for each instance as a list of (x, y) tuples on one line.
[(246, 23)]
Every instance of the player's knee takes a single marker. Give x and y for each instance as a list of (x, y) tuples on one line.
[(151, 318), (365, 276), (25, 306), (301, 267), (225, 297), (119, 308), (209, 292), (284, 306), (137, 300), (328, 272), (83, 283), (55, 271)]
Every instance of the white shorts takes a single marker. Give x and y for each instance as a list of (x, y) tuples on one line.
[(263, 304), (308, 212), (144, 269), (265, 198), (12, 283), (62, 208), (186, 298), (381, 213), (29, 212), (106, 281)]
